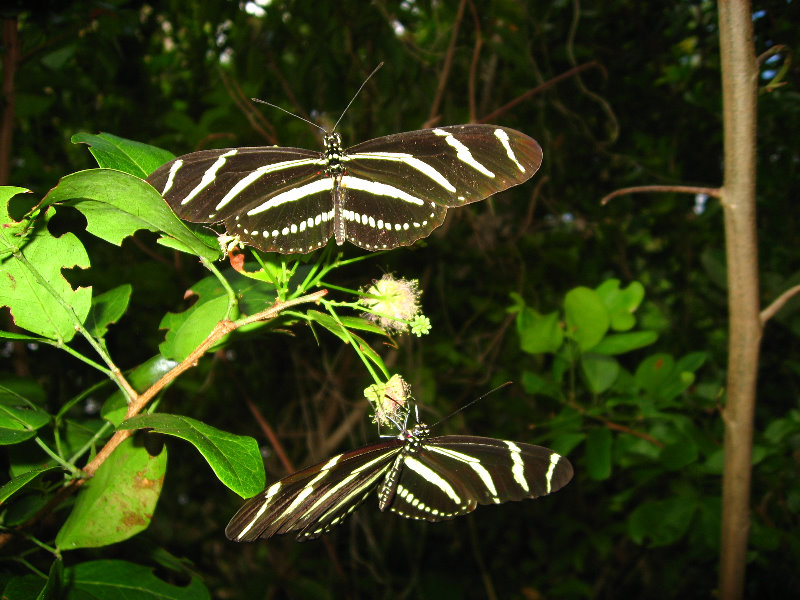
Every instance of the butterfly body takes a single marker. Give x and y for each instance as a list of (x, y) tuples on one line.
[(382, 193), (416, 475)]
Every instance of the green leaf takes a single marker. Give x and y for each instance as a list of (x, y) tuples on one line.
[(600, 371), (116, 579), (329, 323), (678, 454), (536, 384), (663, 378), (663, 522), (113, 152), (586, 317), (118, 502), (55, 582), (22, 337), (235, 459), (598, 453), (621, 303), (654, 372), (187, 330), (20, 481), (24, 588), (107, 308), (539, 333), (116, 205), (19, 417), (34, 305), (620, 343)]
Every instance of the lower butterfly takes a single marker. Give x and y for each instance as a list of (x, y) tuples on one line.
[(380, 194), (416, 475)]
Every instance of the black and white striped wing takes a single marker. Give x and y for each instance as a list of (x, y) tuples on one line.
[(265, 195), (451, 475), (383, 193), (312, 501), (399, 187)]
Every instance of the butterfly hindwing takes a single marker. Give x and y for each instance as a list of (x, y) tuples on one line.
[(451, 475)]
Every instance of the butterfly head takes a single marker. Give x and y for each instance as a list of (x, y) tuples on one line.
[(420, 431)]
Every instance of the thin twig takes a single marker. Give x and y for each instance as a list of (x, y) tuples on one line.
[(616, 426), (539, 88), (255, 118), (473, 67), (679, 189), (448, 62), (778, 303)]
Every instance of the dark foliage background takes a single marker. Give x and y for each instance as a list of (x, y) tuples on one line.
[(646, 110)]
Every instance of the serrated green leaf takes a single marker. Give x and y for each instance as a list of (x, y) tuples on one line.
[(586, 317), (235, 459), (107, 308), (116, 579), (34, 305), (20, 481), (539, 333), (113, 152), (116, 205), (118, 502)]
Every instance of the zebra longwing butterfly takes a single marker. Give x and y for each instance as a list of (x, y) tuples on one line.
[(379, 194), (417, 475)]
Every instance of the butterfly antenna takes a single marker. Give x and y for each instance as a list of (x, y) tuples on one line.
[(289, 113), (375, 70), (471, 402)]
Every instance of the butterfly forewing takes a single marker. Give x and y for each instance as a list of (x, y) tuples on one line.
[(449, 166), (383, 193), (315, 499), (261, 194), (451, 475)]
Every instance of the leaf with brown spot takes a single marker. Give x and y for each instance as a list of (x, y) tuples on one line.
[(118, 502)]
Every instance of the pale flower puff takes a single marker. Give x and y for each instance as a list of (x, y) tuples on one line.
[(392, 303)]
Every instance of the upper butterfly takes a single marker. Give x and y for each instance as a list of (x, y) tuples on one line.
[(380, 194)]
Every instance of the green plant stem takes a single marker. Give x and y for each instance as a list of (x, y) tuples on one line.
[(29, 566), (43, 546), (69, 467), (354, 344), (92, 441), (233, 302)]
